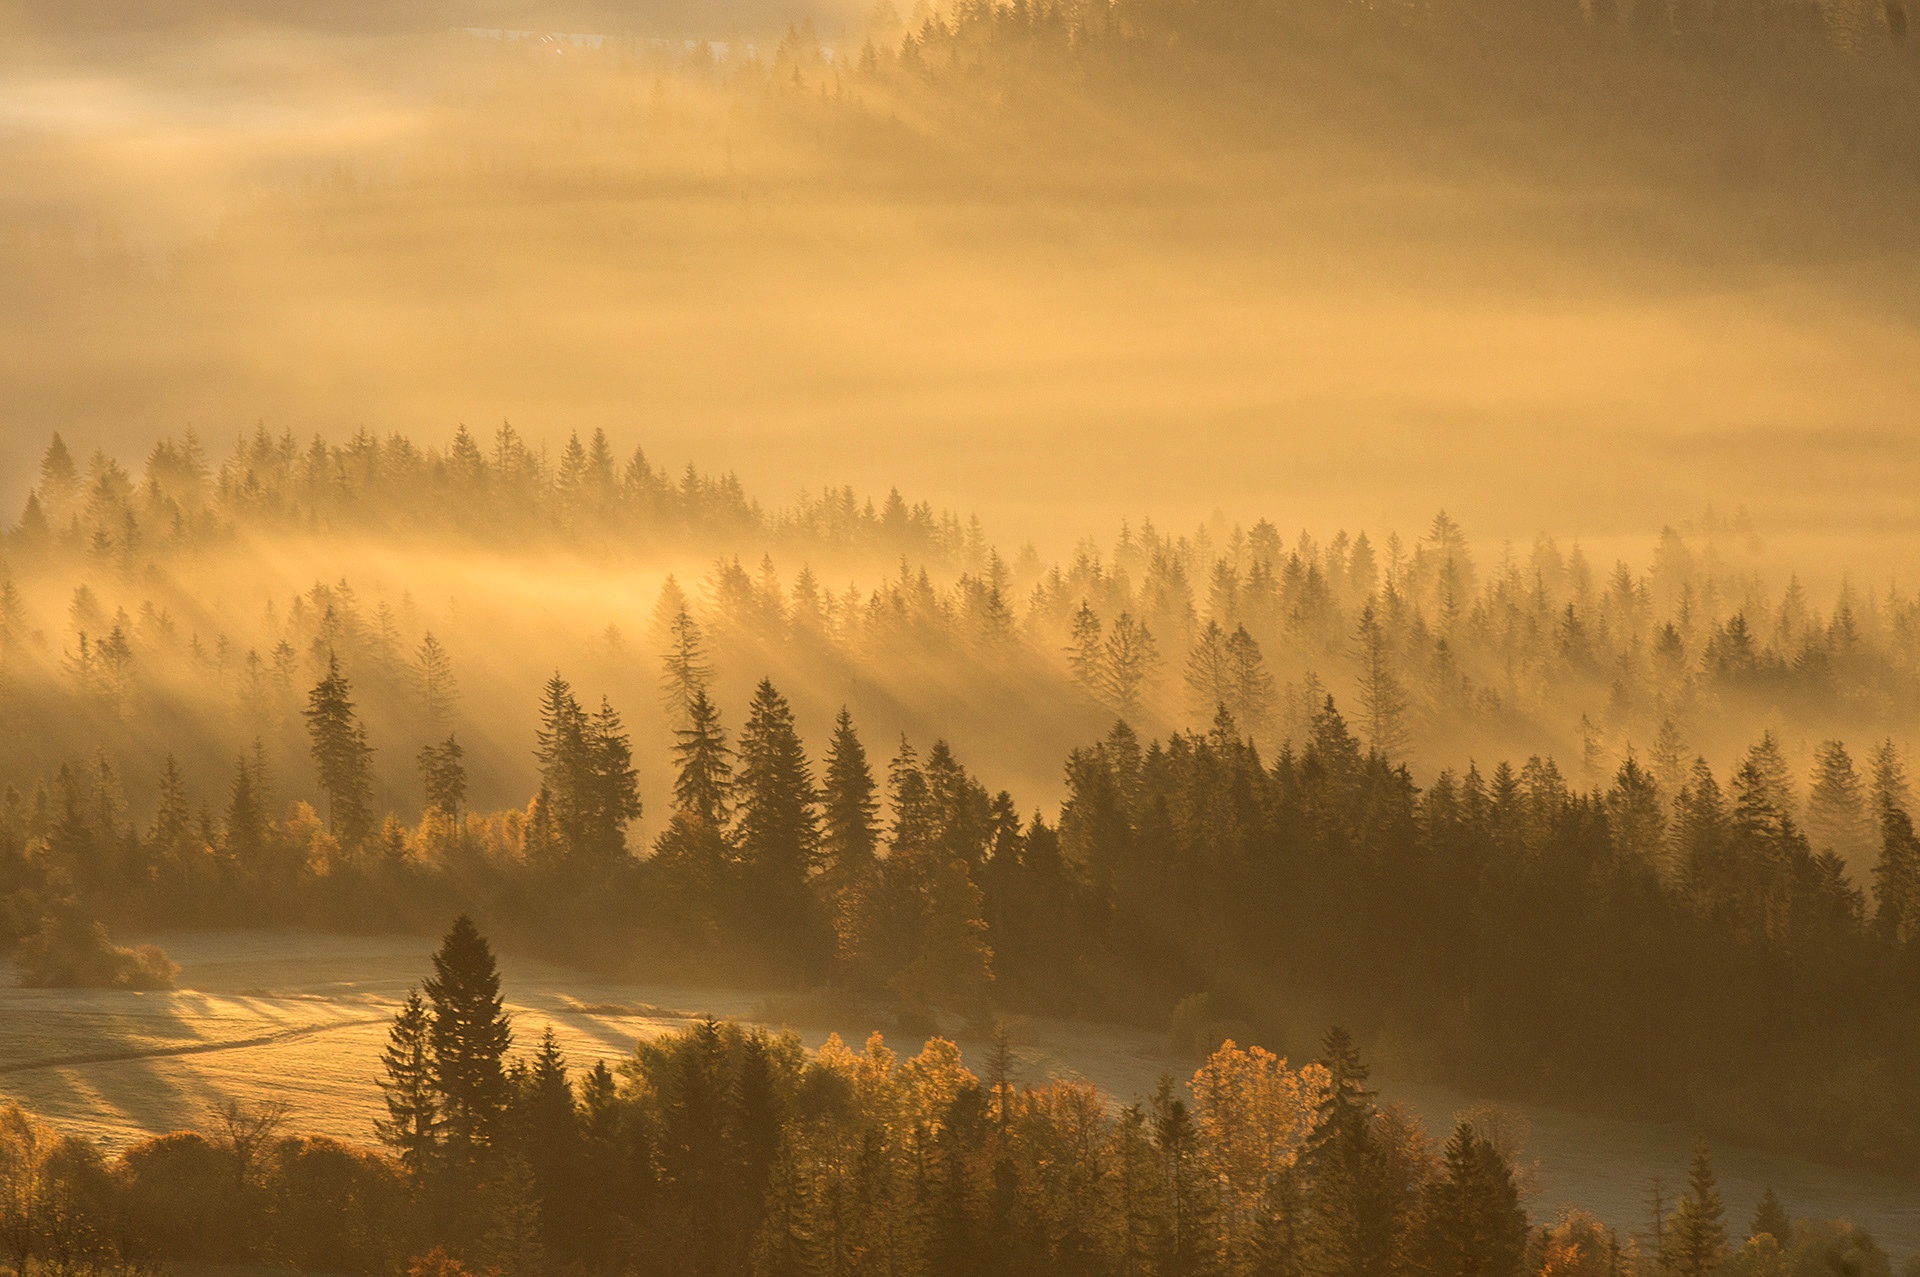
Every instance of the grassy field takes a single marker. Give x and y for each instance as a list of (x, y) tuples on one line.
[(302, 1017)]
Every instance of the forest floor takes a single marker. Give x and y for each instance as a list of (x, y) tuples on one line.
[(302, 1017)]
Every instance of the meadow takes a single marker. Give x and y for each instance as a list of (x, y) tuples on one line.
[(302, 1017)]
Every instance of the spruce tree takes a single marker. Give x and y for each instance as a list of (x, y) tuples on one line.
[(1836, 805), (469, 1036), (411, 1125), (1129, 663), (1472, 1224), (444, 777), (704, 786), (1696, 1237), (850, 815), (1349, 1230), (685, 671), (613, 785), (1382, 698), (1209, 672), (778, 834), (342, 756), (1896, 878), (1251, 695), (434, 683), (1086, 655), (1770, 1219), (548, 1126)]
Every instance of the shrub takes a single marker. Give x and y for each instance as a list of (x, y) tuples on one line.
[(72, 953)]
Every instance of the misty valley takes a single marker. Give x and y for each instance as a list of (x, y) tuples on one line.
[(1233, 638)]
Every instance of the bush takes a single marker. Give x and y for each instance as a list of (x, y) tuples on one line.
[(72, 953)]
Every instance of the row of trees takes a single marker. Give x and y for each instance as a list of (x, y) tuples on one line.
[(725, 1149), (1442, 654), (1512, 926)]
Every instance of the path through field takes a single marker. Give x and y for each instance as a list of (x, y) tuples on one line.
[(302, 1017)]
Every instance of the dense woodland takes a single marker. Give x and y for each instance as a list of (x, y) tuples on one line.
[(1737, 946), (723, 1149)]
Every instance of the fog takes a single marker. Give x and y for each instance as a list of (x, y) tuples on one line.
[(1540, 313)]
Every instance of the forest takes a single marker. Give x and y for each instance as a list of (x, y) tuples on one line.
[(1645, 932), (1229, 518), (725, 1149)]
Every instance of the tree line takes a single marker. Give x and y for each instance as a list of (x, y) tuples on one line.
[(725, 1148), (1670, 943)]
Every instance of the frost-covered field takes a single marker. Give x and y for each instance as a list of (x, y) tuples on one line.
[(302, 1017)]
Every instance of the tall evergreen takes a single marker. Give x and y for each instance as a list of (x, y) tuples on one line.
[(410, 1128), (1471, 1222), (850, 813), (1770, 1219), (443, 775), (704, 787), (469, 1036), (342, 756), (778, 835), (1695, 1243)]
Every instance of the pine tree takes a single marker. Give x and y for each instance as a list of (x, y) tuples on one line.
[(685, 671), (1128, 665), (704, 787), (342, 756), (248, 830), (469, 1037), (1770, 1219), (434, 683), (411, 1125), (850, 824), (1890, 780), (1251, 695), (564, 749), (1382, 698), (1836, 805), (1696, 1236), (613, 785), (1348, 1232), (444, 777), (548, 1123), (1182, 1245), (1896, 877), (1472, 1224), (1209, 672), (1086, 653), (778, 836)]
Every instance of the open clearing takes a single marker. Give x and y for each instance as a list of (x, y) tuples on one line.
[(302, 1017)]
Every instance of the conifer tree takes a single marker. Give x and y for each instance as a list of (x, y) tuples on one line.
[(444, 777), (434, 683), (1770, 1219), (1209, 672), (469, 1037), (548, 1123), (704, 786), (1836, 805), (685, 671), (850, 824), (1472, 1224), (1182, 1242), (1129, 662), (1251, 687), (1349, 1232), (1086, 652), (1695, 1243), (342, 756), (1382, 699), (411, 1125), (778, 835), (1896, 877)]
